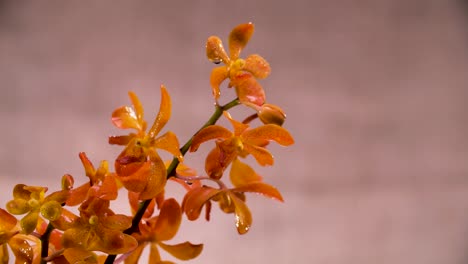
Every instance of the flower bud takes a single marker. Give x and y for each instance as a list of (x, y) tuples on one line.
[(271, 114), (67, 182)]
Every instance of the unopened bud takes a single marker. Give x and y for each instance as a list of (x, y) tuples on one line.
[(67, 182), (271, 114)]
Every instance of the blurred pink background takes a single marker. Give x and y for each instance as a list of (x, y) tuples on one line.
[(375, 93)]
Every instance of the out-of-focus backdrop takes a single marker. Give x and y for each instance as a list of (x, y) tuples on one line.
[(375, 93)]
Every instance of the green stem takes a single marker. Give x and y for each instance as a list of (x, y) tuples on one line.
[(171, 170), (45, 243)]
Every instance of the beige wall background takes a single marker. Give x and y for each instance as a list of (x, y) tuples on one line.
[(375, 93)]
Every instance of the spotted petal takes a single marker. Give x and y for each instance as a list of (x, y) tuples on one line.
[(258, 66), (215, 50), (269, 132), (243, 215), (248, 89), (238, 38)]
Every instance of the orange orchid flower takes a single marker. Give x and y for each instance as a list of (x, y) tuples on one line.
[(158, 229), (25, 248), (139, 167), (98, 228), (231, 200), (102, 183), (243, 74), (241, 142)]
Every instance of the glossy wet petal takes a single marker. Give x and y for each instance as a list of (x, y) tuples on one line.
[(121, 140), (269, 132), (51, 210), (258, 66), (209, 133), (169, 143), (260, 188), (195, 199), (156, 180), (218, 75), (22, 250), (79, 255), (238, 38), (248, 89), (163, 115), (125, 117), (243, 215), (215, 51), (108, 189), (7, 221), (29, 222), (20, 192), (242, 174), (168, 221), (77, 195), (183, 251), (137, 106), (137, 181), (18, 206), (117, 222), (112, 242)]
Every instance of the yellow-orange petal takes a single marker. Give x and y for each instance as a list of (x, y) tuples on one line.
[(169, 143), (116, 222), (137, 181), (20, 192), (269, 132), (77, 195), (168, 221), (257, 65), (163, 115), (242, 174), (218, 75), (7, 221), (260, 188), (195, 199), (108, 189), (29, 222), (134, 257), (183, 251), (243, 215), (238, 38), (209, 133), (248, 89), (154, 256), (23, 251), (261, 155), (125, 117), (156, 180), (215, 51), (4, 254), (120, 140), (80, 255), (137, 106), (238, 127), (111, 242), (88, 165)]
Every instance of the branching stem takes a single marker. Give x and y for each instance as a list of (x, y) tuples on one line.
[(172, 167)]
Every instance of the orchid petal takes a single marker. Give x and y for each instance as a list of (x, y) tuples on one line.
[(88, 166), (248, 89), (209, 133), (125, 117), (261, 155), (154, 256), (218, 75), (4, 254), (121, 140), (183, 251), (269, 132), (168, 221), (22, 250), (77, 195), (163, 115), (135, 255), (137, 181), (242, 174), (79, 255), (156, 180), (29, 222), (108, 189), (215, 51), (239, 127), (195, 199), (137, 106), (258, 66), (117, 222), (169, 143), (260, 188), (20, 192), (238, 38), (243, 215)]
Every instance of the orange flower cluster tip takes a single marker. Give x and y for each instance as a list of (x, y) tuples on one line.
[(39, 227)]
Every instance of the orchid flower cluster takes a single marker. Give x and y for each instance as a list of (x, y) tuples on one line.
[(47, 230)]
